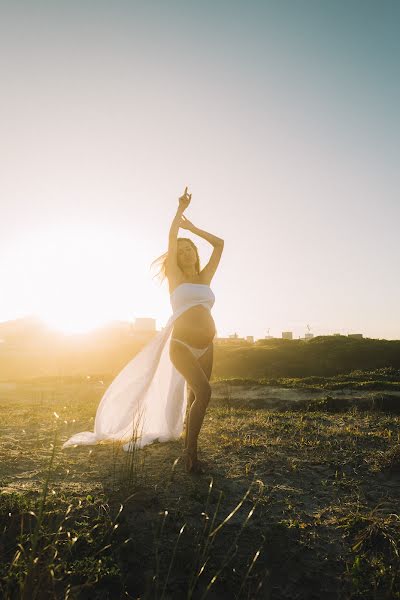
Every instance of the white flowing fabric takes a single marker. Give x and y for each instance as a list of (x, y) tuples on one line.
[(147, 400)]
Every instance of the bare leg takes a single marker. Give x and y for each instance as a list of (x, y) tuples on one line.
[(196, 418), (197, 373), (190, 400)]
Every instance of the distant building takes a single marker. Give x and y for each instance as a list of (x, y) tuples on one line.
[(143, 329), (232, 339), (307, 337), (357, 336), (250, 339), (287, 335)]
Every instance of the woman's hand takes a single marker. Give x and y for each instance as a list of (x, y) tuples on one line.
[(184, 200), (186, 224)]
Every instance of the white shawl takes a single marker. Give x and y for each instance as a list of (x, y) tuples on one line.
[(147, 400)]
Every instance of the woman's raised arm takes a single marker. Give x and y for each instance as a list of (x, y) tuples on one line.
[(172, 259), (217, 242), (213, 239)]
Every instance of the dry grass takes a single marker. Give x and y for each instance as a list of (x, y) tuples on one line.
[(312, 500)]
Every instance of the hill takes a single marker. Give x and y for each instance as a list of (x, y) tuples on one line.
[(29, 349)]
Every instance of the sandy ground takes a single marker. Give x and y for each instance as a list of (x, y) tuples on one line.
[(319, 483), (278, 397)]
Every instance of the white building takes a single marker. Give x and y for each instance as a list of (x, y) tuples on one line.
[(287, 335), (232, 339)]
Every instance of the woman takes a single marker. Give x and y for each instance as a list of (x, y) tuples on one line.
[(147, 400), (191, 344)]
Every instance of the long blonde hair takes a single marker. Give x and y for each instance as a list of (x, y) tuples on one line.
[(161, 261)]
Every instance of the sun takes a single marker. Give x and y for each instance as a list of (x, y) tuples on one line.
[(72, 279)]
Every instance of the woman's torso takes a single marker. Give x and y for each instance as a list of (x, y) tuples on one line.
[(195, 326)]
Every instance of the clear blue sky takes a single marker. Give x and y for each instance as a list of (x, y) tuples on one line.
[(281, 117)]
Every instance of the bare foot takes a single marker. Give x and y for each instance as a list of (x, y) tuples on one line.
[(192, 465)]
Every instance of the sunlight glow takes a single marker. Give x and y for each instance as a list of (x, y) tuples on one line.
[(71, 279)]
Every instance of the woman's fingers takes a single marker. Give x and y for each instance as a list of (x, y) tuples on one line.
[(185, 195)]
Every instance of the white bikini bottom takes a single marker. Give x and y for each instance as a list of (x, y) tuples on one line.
[(197, 352)]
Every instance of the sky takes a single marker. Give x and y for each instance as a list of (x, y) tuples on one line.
[(280, 116)]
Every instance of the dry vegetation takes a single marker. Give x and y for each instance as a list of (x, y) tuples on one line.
[(295, 504)]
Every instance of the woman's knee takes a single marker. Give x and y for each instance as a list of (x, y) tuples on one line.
[(204, 394)]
